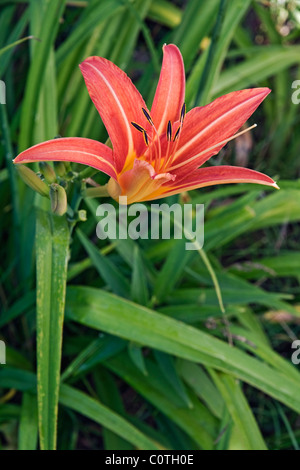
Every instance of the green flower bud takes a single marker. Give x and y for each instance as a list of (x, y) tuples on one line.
[(48, 172), (58, 197), (64, 184), (32, 180), (82, 215), (60, 168)]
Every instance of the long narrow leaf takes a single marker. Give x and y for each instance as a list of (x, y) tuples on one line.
[(52, 251)]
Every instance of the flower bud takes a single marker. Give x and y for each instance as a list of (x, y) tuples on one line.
[(60, 168), (58, 199), (48, 172), (32, 180), (82, 215)]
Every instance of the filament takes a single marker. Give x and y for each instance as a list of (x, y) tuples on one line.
[(223, 142)]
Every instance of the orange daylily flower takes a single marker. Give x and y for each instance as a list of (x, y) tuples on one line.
[(155, 153)]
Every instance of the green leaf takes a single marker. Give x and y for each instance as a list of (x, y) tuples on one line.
[(94, 15), (96, 352), (14, 44), (51, 16), (83, 404), (171, 271), (196, 421), (117, 316), (52, 252), (164, 12), (264, 63), (28, 428), (168, 367), (139, 288), (108, 392), (240, 411), (13, 37), (136, 355), (202, 385), (107, 270), (94, 410)]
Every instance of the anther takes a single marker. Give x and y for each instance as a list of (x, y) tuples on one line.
[(138, 127), (169, 131), (146, 138), (147, 116), (176, 133), (182, 113)]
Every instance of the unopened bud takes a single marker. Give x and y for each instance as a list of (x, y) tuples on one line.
[(82, 215), (60, 168), (58, 199), (32, 180), (64, 184), (48, 172)]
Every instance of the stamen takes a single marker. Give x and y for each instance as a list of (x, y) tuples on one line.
[(157, 159), (170, 158), (147, 116), (169, 155), (177, 133), (176, 138), (138, 127), (145, 138), (223, 142), (169, 131), (182, 113)]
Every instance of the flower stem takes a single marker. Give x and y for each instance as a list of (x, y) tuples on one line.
[(87, 173), (99, 191)]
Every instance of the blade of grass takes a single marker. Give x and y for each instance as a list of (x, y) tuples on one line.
[(83, 404), (107, 270), (239, 409), (164, 12), (266, 62), (51, 16), (211, 54), (197, 422)]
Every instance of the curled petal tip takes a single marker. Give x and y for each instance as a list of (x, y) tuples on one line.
[(275, 185)]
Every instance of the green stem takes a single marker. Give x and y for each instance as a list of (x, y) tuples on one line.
[(99, 191), (87, 173)]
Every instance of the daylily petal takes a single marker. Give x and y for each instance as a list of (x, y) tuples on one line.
[(118, 103), (205, 126), (71, 149), (219, 175), (169, 96)]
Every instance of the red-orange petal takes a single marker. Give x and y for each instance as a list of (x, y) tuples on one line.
[(205, 126), (71, 149), (223, 174), (169, 96), (118, 103)]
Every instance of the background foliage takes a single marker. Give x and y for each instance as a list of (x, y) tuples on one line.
[(147, 360)]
